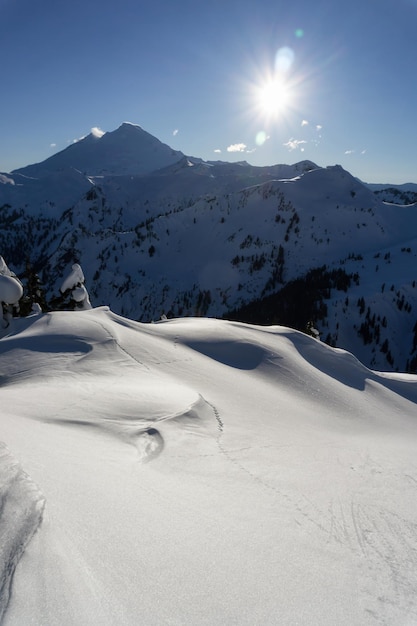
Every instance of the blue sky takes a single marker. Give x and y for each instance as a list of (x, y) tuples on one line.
[(267, 82)]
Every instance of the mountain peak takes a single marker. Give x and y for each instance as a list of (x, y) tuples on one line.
[(128, 150), (130, 126)]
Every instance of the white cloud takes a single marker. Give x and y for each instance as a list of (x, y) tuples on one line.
[(363, 151), (217, 151), (52, 145), (97, 132), (237, 147), (293, 144), (349, 151), (304, 123), (175, 132), (319, 126)]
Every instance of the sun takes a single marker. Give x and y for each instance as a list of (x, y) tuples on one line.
[(273, 97)]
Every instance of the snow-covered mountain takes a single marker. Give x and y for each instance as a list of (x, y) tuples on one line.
[(128, 150), (402, 194), (160, 233), (200, 471)]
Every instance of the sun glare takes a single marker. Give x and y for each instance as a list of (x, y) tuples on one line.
[(273, 97)]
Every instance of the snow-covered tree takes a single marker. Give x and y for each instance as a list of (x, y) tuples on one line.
[(73, 286), (11, 290), (312, 331)]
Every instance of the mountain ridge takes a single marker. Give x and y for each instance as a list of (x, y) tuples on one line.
[(210, 238)]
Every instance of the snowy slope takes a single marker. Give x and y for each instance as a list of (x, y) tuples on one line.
[(405, 187), (44, 197), (200, 471), (21, 509), (211, 253)]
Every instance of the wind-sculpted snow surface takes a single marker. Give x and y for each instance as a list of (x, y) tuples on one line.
[(199, 471), (21, 507)]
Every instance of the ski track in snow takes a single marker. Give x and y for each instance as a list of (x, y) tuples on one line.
[(381, 537)]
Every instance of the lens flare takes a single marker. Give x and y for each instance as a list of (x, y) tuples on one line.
[(260, 138), (284, 59)]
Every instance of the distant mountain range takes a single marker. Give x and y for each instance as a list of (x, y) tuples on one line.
[(161, 233)]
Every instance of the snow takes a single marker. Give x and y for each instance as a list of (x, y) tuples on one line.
[(128, 150), (75, 278), (75, 282), (11, 289), (6, 180), (156, 236), (198, 471), (21, 512)]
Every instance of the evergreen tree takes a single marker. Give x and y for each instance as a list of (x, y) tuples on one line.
[(33, 299)]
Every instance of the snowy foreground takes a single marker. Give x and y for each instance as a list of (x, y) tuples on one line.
[(198, 471)]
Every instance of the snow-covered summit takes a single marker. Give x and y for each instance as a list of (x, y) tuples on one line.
[(128, 150)]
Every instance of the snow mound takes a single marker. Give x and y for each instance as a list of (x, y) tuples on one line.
[(11, 289), (168, 449)]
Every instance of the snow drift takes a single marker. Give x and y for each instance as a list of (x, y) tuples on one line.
[(199, 471)]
